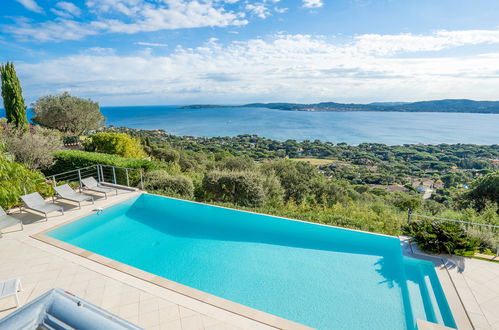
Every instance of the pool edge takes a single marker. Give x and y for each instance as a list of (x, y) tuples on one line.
[(454, 300)]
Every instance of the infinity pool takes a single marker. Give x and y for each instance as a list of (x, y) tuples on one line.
[(320, 276)]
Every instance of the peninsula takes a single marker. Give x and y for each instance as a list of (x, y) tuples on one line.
[(448, 105)]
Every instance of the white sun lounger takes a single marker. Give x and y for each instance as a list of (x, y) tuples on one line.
[(35, 202), (66, 192), (8, 221), (91, 184), (10, 288)]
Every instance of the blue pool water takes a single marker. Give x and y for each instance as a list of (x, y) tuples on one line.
[(324, 277)]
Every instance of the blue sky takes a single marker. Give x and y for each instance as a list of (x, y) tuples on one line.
[(131, 52)]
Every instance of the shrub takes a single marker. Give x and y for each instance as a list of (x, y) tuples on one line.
[(441, 237), (16, 180), (34, 147), (243, 187), (120, 144), (172, 185)]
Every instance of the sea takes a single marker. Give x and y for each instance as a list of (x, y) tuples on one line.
[(392, 128)]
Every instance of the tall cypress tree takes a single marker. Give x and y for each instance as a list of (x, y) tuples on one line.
[(12, 96)]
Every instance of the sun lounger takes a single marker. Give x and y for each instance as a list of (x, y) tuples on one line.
[(35, 202), (66, 192), (91, 184), (8, 221), (10, 288)]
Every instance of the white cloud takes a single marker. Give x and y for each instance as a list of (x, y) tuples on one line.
[(299, 68), (31, 5), (390, 44), (312, 3), (68, 8), (258, 9), (151, 44), (141, 16), (280, 10), (59, 29)]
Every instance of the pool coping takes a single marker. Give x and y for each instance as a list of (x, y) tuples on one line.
[(204, 297), (460, 315), (455, 302)]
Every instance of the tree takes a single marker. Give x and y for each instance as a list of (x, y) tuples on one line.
[(34, 147), (172, 185), (13, 100), (242, 187), (67, 113), (115, 144), (484, 190)]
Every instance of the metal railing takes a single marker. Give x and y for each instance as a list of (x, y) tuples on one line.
[(452, 220), (129, 177), (483, 226)]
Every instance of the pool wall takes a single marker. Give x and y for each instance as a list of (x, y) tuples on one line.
[(266, 318)]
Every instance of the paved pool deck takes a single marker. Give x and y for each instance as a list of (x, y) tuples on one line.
[(42, 267)]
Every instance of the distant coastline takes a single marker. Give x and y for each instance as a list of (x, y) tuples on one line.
[(449, 105)]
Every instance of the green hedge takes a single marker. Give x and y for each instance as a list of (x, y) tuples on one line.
[(68, 160)]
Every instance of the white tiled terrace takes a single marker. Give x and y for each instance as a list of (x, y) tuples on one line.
[(42, 267)]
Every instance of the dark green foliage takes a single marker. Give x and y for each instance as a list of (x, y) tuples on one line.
[(241, 187), (441, 237), (295, 177), (408, 204), (160, 181), (166, 154), (12, 96), (238, 164), (484, 190), (67, 113)]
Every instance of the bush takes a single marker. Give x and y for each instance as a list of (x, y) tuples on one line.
[(243, 187), (34, 147), (441, 237), (120, 144), (172, 185), (16, 180)]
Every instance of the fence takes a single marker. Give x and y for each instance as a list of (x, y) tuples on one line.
[(467, 225), (130, 177)]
